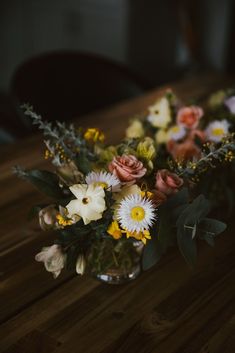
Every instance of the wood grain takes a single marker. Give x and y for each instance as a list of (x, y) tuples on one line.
[(168, 309)]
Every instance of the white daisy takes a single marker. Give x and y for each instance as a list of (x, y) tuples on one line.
[(160, 113), (176, 132), (135, 213), (90, 202), (216, 130), (104, 179)]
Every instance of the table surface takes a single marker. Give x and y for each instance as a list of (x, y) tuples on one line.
[(168, 309)]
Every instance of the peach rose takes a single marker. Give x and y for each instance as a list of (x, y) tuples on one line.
[(189, 116), (168, 183), (127, 168)]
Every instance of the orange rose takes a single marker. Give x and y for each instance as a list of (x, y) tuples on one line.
[(189, 117)]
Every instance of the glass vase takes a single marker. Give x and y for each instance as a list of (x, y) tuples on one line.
[(123, 263)]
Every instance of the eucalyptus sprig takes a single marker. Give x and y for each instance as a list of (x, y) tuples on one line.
[(225, 153)]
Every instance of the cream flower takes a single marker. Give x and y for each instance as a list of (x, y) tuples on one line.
[(136, 214), (176, 132), (104, 179), (90, 202), (127, 190), (161, 136), (53, 258), (80, 264), (216, 130), (135, 130), (160, 113)]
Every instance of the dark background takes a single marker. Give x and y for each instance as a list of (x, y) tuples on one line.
[(157, 40)]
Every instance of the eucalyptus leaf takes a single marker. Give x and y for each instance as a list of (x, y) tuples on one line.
[(45, 181), (187, 223), (211, 226), (187, 245)]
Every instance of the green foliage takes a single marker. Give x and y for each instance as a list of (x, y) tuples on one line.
[(43, 180), (209, 228), (191, 223), (164, 235), (186, 227)]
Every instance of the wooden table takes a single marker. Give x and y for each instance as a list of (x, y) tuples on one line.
[(169, 309)]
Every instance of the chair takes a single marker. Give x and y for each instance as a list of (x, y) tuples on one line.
[(66, 84)]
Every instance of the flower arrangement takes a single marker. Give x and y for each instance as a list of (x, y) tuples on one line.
[(160, 186)]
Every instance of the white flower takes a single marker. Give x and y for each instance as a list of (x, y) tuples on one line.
[(80, 265), (135, 130), (161, 136), (136, 214), (53, 258), (176, 132), (160, 113), (90, 203), (105, 180), (216, 130)]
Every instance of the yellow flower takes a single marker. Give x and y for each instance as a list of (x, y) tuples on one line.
[(161, 136), (147, 194), (143, 236), (115, 230), (146, 149), (94, 135), (62, 221), (135, 130)]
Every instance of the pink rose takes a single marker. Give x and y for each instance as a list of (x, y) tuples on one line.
[(189, 116), (168, 183), (184, 151), (127, 168)]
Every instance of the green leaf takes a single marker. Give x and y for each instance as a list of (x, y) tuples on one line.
[(45, 181), (195, 212), (151, 254), (187, 223), (209, 228), (162, 238), (187, 245), (82, 162)]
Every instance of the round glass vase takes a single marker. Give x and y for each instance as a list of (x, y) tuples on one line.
[(119, 263)]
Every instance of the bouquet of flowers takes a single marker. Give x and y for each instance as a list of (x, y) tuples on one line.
[(116, 209)]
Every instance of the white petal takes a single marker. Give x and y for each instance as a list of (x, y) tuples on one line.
[(79, 190), (74, 208)]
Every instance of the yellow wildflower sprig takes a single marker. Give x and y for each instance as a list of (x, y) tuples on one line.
[(117, 232), (94, 135)]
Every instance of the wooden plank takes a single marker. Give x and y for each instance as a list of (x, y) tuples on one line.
[(83, 311)]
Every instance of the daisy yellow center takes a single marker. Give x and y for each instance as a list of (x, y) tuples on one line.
[(85, 200), (175, 129), (101, 183), (218, 131), (137, 213)]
